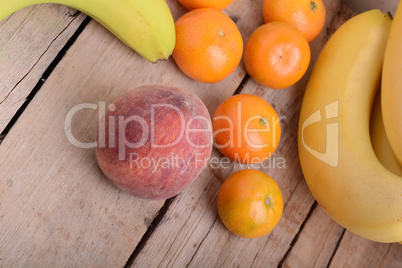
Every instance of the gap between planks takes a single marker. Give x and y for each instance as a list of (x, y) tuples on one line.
[(43, 78), (337, 247), (155, 223), (296, 237)]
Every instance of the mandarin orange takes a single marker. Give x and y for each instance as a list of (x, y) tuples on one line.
[(276, 55), (308, 16), (246, 129), (250, 203), (209, 45)]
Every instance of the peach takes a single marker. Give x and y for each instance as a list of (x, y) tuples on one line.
[(154, 141)]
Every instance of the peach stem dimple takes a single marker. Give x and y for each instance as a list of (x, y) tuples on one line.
[(268, 201)]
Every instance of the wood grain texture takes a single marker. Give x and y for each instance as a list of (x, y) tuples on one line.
[(29, 41), (56, 207), (316, 243), (355, 251)]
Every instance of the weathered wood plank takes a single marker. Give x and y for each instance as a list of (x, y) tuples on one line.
[(29, 41), (355, 251), (57, 209), (316, 243)]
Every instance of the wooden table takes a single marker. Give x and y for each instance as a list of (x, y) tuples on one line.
[(56, 207)]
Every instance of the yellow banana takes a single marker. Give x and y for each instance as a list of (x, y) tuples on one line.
[(392, 86), (346, 178), (146, 26), (379, 139)]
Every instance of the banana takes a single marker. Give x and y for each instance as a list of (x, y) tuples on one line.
[(146, 26), (392, 86), (379, 139), (346, 178)]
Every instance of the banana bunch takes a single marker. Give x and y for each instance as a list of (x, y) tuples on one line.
[(146, 26), (336, 154)]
